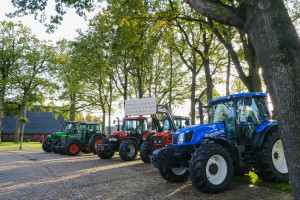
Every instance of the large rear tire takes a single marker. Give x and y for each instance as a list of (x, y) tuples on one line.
[(104, 154), (146, 151), (73, 148), (128, 150), (175, 175), (94, 143), (210, 168), (53, 145), (46, 147), (272, 161)]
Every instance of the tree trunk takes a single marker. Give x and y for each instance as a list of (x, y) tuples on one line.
[(171, 79), (18, 124), (72, 107), (110, 105), (277, 46), (278, 49), (228, 75), (140, 86), (103, 118), (193, 91), (1, 109), (209, 83)]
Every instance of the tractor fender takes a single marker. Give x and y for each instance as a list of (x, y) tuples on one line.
[(103, 136), (261, 132), (219, 140), (147, 134), (95, 135), (131, 138)]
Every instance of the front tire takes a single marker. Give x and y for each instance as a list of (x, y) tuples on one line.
[(210, 168), (73, 148), (94, 143), (46, 147), (272, 161), (104, 154), (128, 150), (146, 151), (53, 145), (175, 175)]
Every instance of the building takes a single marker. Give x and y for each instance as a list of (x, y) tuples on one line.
[(39, 124)]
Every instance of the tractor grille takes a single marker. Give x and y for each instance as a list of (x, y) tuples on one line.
[(175, 137), (158, 140), (188, 136), (113, 138)]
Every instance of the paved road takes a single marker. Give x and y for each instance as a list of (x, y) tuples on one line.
[(34, 174)]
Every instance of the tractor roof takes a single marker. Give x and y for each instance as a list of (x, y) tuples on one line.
[(234, 96)]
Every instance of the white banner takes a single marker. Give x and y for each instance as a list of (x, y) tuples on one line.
[(145, 106)]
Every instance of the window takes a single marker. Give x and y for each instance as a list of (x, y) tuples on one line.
[(224, 112), (167, 126)]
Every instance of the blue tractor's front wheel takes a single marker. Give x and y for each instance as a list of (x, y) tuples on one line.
[(210, 168)]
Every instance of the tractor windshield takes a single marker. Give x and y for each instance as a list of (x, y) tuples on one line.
[(167, 126), (68, 127), (256, 113), (224, 112), (135, 124)]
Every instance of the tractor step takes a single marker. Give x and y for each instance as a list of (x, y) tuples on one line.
[(251, 161)]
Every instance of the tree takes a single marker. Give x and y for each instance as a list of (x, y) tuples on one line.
[(277, 46), (13, 43), (70, 75), (31, 80)]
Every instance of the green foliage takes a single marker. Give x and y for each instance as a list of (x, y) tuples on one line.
[(253, 179)]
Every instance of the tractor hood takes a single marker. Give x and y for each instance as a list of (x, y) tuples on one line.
[(119, 132), (195, 134), (56, 135)]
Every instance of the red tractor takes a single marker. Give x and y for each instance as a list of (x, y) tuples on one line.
[(164, 134), (126, 141)]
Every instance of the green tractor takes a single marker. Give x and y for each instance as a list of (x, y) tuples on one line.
[(53, 139), (80, 136)]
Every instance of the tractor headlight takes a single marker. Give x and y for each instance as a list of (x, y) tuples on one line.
[(180, 138)]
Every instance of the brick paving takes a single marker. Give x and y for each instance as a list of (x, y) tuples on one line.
[(34, 174)]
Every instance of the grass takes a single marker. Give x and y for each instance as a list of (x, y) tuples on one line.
[(253, 179), (16, 146)]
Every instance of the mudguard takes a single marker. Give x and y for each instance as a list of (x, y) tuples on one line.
[(147, 134), (171, 156), (260, 133)]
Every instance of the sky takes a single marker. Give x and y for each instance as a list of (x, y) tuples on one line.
[(67, 29)]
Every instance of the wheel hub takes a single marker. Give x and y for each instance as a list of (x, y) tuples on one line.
[(278, 157), (216, 169), (130, 150), (213, 169)]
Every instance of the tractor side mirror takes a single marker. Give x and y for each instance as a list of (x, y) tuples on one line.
[(114, 122)]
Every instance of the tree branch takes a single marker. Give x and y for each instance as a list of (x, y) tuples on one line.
[(219, 12)]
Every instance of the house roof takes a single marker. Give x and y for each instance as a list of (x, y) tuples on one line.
[(39, 123)]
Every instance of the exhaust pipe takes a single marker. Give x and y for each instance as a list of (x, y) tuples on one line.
[(200, 109)]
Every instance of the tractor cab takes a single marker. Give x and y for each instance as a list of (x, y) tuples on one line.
[(241, 115), (136, 126)]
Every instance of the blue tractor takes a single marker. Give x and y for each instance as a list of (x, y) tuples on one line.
[(240, 137)]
